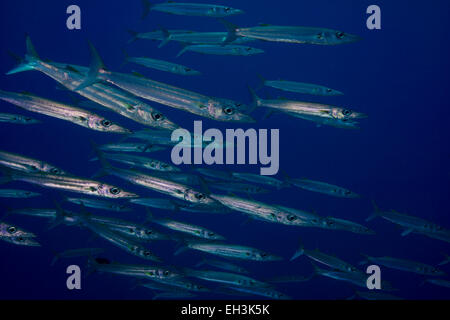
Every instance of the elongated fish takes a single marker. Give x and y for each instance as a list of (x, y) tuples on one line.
[(71, 77), (25, 164), (307, 109), (62, 111), (238, 187), (224, 265), (130, 147), (14, 193), (210, 107), (76, 253), (120, 241), (231, 251), (225, 278), (345, 225), (173, 205), (21, 241), (326, 259), (405, 265), (193, 37), (323, 187), (291, 34), (99, 204), (227, 50), (70, 183), (412, 224), (140, 162), (191, 229), (17, 119), (160, 34), (262, 211), (301, 87), (217, 174), (164, 66), (191, 9)]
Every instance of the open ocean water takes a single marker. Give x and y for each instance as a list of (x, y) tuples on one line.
[(398, 158)]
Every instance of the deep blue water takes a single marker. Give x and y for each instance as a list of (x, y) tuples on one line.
[(399, 157)]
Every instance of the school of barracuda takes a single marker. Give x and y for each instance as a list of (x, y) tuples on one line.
[(131, 95)]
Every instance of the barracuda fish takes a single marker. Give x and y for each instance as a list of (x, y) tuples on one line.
[(119, 241), (228, 50), (76, 253), (371, 295), (173, 205), (130, 147), (301, 87), (328, 260), (14, 193), (405, 265), (337, 123), (193, 37), (261, 211), (264, 292), (140, 162), (322, 187), (238, 187), (209, 107), (439, 282), (11, 231), (358, 279), (225, 278), (161, 34), (21, 163), (256, 178), (71, 77), (230, 251), (191, 9), (291, 34), (99, 204), (411, 224), (21, 241), (222, 265), (138, 271), (307, 109), (69, 183), (216, 174), (345, 225), (17, 119), (164, 66), (33, 212), (58, 216), (187, 228), (62, 111)]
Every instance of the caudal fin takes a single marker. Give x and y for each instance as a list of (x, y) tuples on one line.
[(231, 28), (375, 212), (256, 101), (94, 68), (299, 252), (167, 36), (146, 5), (27, 63), (185, 48)]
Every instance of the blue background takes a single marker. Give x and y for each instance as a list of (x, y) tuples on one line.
[(399, 158)]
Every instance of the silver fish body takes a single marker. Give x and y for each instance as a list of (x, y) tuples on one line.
[(14, 193), (17, 119), (25, 164)]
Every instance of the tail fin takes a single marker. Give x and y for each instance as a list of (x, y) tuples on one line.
[(446, 261), (59, 219), (185, 48), (94, 68), (231, 28), (375, 212), (262, 81), (299, 252), (146, 8), (55, 258), (134, 36), (167, 37), (256, 101), (105, 164), (27, 63)]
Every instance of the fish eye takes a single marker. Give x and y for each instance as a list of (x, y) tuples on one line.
[(157, 116), (54, 170), (291, 217), (187, 69), (12, 230), (166, 273), (227, 9), (20, 238), (346, 112), (106, 123), (148, 232), (146, 253), (320, 36), (340, 35), (200, 196), (114, 190), (263, 255), (210, 234), (228, 110), (329, 90), (330, 223)]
